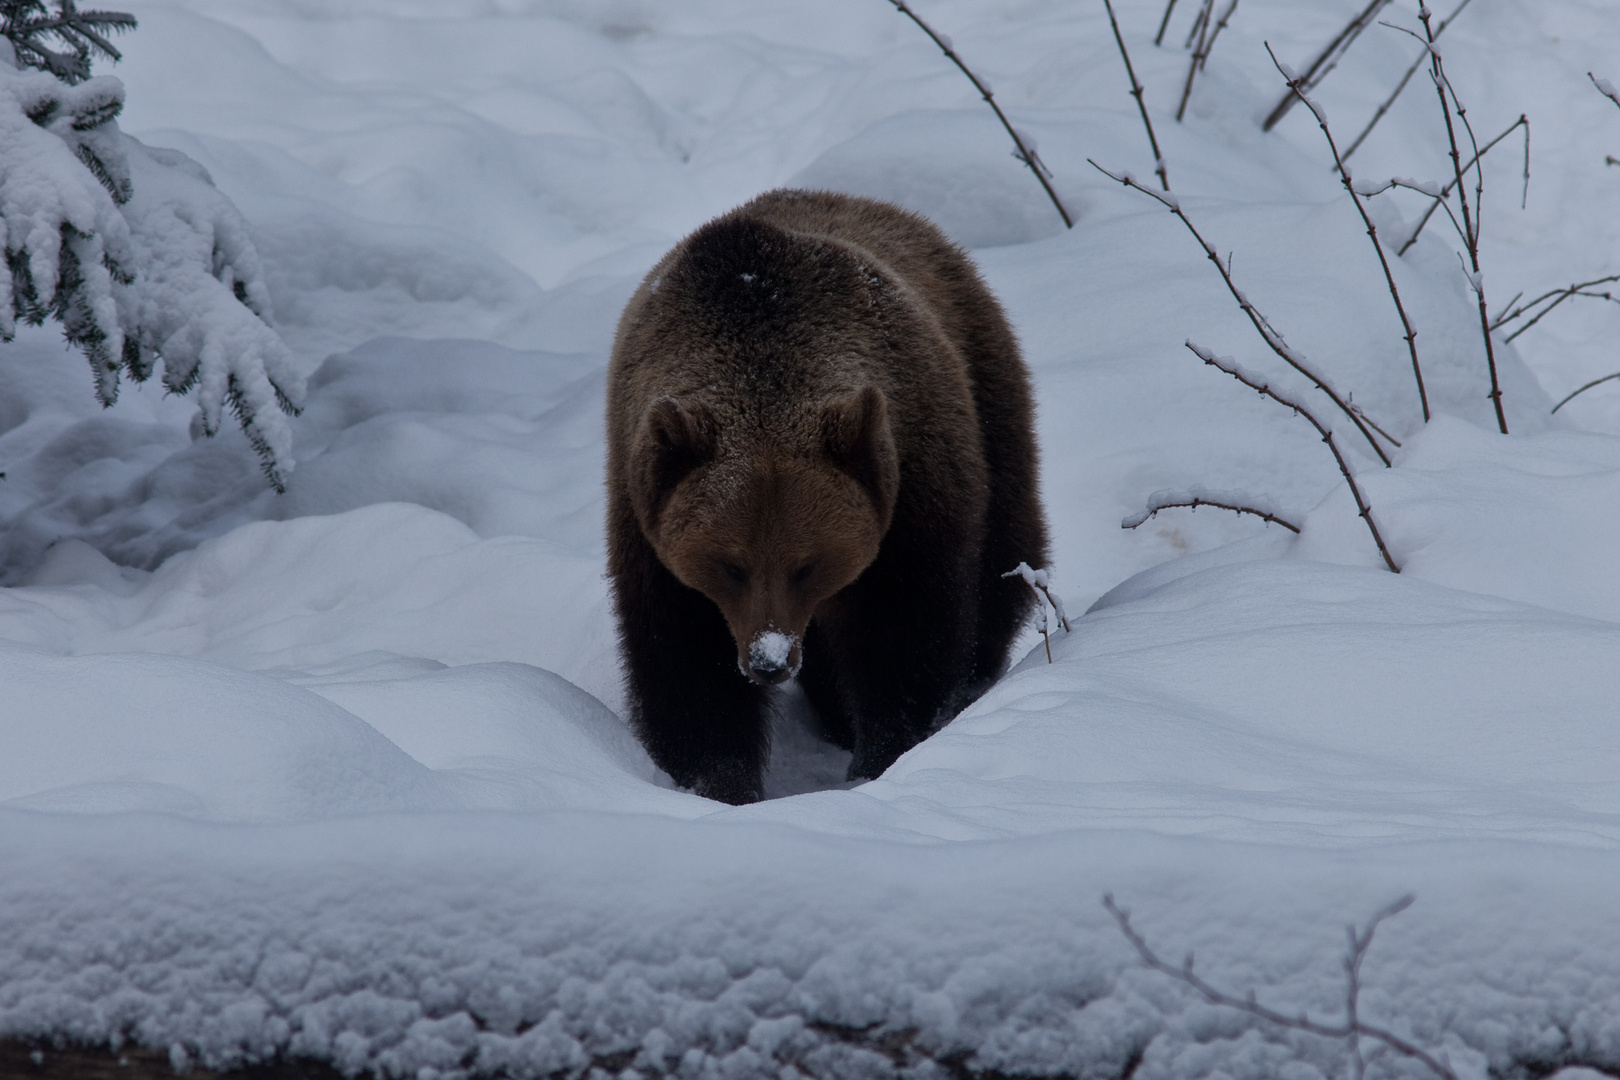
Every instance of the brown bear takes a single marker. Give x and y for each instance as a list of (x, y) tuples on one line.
[(821, 460)]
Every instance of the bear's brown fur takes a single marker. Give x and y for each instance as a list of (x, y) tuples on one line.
[(820, 461)]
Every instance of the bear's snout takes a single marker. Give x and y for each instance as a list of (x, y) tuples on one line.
[(773, 657)]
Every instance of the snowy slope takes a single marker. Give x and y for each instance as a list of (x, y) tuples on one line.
[(340, 773)]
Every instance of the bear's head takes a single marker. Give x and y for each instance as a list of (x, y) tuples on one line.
[(770, 526)]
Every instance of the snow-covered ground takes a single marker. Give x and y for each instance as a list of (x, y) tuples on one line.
[(340, 773)]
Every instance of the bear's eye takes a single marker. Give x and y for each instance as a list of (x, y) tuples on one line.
[(802, 574), (735, 573)]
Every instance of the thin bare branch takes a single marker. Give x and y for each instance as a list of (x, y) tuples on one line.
[(1270, 336), (1136, 91), (1164, 23), (1200, 23), (1326, 61), (1400, 86), (1200, 56), (1449, 101), (1558, 296), (1605, 88), (1025, 152), (1445, 192), (1264, 388), (1584, 389), (1297, 87), (1193, 502), (1353, 1027)]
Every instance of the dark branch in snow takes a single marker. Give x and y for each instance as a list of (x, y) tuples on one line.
[(1400, 86), (1026, 150), (1206, 43), (1164, 23), (1272, 338), (1297, 86), (1584, 389), (1471, 220), (1255, 383), (1136, 92), (1445, 192), (1352, 1030), (1557, 296), (1326, 61), (1237, 502)]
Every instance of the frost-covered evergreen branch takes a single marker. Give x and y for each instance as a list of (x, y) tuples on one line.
[(29, 25), (139, 257)]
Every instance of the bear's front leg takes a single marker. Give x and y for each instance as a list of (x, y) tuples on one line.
[(700, 718), (904, 649)]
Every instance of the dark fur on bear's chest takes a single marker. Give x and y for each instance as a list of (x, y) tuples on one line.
[(814, 385)]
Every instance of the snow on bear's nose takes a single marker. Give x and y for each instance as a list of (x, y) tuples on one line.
[(770, 655)]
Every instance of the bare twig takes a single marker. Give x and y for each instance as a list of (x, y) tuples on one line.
[(1445, 192), (1296, 85), (1449, 101), (1400, 86), (1326, 61), (1270, 336), (1136, 92), (1558, 296), (1200, 23), (1585, 388), (1040, 583), (1192, 500), (1352, 1030), (1605, 88), (1264, 388), (1164, 23), (1025, 152), (1200, 56)]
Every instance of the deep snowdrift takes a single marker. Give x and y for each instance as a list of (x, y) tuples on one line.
[(340, 773)]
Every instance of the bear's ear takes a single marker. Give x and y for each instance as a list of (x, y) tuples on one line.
[(856, 430), (678, 439)]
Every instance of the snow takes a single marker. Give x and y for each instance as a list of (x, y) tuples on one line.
[(342, 773)]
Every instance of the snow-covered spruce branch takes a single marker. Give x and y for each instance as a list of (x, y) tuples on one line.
[(1239, 502), (1026, 145), (1353, 1030), (1136, 92), (1557, 296), (1271, 337), (1297, 87), (1206, 44), (1262, 387), (1449, 103), (139, 257), (1389, 102), (1040, 583), (1326, 61), (30, 27), (1441, 194)]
